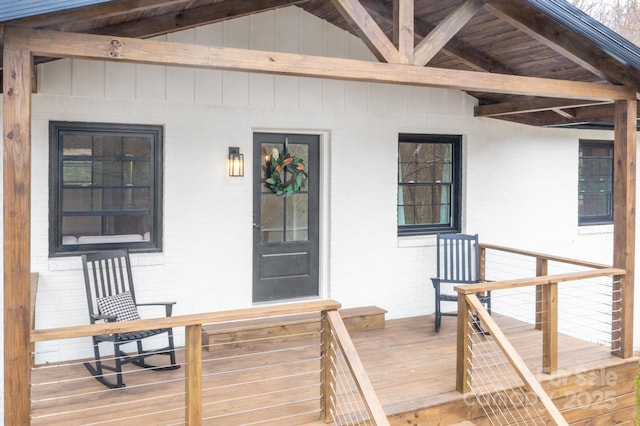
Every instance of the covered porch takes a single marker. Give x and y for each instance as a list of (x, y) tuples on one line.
[(562, 330), (606, 89)]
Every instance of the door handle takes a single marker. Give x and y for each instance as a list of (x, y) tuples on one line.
[(255, 225)]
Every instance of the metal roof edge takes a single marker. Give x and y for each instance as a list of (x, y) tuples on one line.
[(599, 34)]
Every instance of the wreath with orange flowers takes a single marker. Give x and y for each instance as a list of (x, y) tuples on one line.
[(277, 169)]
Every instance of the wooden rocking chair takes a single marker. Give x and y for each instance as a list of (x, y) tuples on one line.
[(111, 297), (458, 263)]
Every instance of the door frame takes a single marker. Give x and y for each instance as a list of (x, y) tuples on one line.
[(324, 137)]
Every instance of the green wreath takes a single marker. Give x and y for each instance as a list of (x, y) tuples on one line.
[(276, 169)]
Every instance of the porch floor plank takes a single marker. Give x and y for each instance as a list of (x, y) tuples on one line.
[(410, 366)]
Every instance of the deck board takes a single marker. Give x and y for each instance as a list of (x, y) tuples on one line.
[(409, 364)]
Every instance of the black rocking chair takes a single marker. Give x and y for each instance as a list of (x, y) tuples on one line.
[(111, 297), (458, 263)]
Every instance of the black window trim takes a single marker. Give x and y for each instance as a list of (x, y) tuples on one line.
[(56, 249), (598, 220), (456, 197)]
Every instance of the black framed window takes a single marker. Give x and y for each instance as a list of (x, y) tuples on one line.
[(105, 187), (595, 187), (429, 183)]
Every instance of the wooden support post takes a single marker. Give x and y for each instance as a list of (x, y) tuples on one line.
[(463, 354), (550, 328), (624, 198), (17, 77), (482, 275), (193, 383), (542, 269), (327, 382)]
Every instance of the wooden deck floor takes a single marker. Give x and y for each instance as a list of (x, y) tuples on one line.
[(410, 366)]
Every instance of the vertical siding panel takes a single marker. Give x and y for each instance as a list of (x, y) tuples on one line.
[(397, 99), (288, 29), (181, 80), (88, 78), (377, 97), (55, 77), (120, 80), (151, 82)]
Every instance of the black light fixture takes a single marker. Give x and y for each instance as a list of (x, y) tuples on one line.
[(236, 162)]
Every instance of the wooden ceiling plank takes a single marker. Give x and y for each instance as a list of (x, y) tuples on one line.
[(445, 31), (370, 32), (566, 43), (404, 31), (528, 106), (193, 17), (85, 46), (525, 23)]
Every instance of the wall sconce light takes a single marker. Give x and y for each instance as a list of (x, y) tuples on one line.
[(235, 162)]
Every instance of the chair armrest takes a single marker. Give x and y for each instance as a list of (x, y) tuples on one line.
[(108, 318), (168, 306)]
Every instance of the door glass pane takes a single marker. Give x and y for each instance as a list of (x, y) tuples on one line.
[(268, 150), (297, 207), (272, 212)]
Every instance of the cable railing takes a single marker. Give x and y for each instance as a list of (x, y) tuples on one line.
[(553, 301), (301, 377)]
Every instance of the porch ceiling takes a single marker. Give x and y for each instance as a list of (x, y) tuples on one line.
[(549, 39)]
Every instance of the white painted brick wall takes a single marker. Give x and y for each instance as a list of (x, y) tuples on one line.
[(520, 182)]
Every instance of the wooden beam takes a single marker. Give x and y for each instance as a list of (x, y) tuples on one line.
[(403, 29), (624, 218), (17, 76), (369, 31), (85, 46), (529, 105), (444, 31)]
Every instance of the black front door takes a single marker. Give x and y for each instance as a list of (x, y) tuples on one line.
[(285, 234)]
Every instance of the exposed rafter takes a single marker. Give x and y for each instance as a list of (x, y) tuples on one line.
[(528, 106), (371, 34), (461, 51), (444, 32)]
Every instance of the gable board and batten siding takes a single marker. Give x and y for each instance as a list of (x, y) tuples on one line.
[(207, 235)]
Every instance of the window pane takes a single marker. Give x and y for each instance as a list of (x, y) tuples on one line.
[(297, 206), (272, 218), (428, 183), (108, 185), (595, 183)]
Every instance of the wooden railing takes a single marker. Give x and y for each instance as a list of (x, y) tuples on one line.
[(546, 317), (334, 337)]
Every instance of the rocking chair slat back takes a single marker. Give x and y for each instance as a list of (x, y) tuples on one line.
[(107, 274), (457, 258)]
